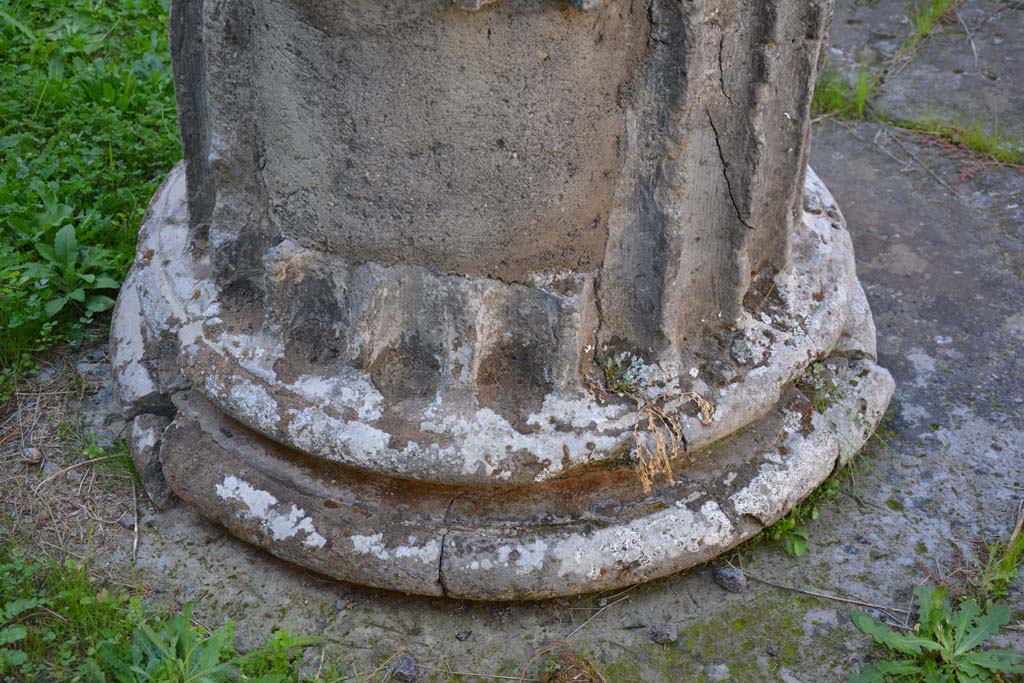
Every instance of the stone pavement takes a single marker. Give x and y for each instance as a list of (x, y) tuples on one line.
[(939, 235), (968, 71)]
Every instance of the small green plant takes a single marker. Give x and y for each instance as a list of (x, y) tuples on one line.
[(1001, 561), (834, 96), (819, 385), (170, 652), (81, 274), (790, 530), (278, 657), (943, 646), (925, 16), (57, 623), (620, 372)]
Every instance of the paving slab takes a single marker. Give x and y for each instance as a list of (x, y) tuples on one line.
[(969, 70), (868, 33), (940, 248)]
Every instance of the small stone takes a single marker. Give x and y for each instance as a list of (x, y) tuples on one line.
[(127, 520), (731, 579), (405, 670), (664, 633), (462, 635), (340, 604), (717, 672), (741, 352), (771, 651)]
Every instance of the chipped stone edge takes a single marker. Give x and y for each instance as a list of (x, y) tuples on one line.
[(426, 556)]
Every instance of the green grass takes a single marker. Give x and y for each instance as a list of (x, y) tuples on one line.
[(836, 96), (924, 15), (987, 139), (999, 564), (58, 623), (833, 96), (87, 130)]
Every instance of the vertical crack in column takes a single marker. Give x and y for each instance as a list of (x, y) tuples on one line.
[(725, 172), (721, 70)]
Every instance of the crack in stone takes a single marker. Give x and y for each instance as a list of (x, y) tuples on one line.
[(721, 73), (725, 172), (444, 538)]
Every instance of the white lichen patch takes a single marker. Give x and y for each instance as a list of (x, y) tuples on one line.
[(350, 389), (253, 401), (783, 481), (488, 442), (643, 544), (313, 431), (428, 553), (143, 437), (262, 506), (256, 354), (133, 377)]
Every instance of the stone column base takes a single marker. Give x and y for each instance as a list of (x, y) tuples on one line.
[(208, 425)]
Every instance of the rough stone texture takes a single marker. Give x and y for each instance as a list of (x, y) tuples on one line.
[(355, 419), (405, 670), (867, 33), (966, 77), (378, 297), (664, 633), (479, 176), (145, 440)]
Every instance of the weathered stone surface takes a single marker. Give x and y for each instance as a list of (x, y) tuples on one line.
[(145, 440), (347, 418), (381, 296), (867, 34), (585, 533), (972, 76)]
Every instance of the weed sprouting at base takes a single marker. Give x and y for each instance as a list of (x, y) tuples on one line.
[(945, 645), (658, 437)]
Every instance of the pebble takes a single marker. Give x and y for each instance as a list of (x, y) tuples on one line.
[(741, 352), (731, 579), (664, 633), (462, 635), (717, 672), (340, 604), (127, 520), (771, 651), (405, 670)]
